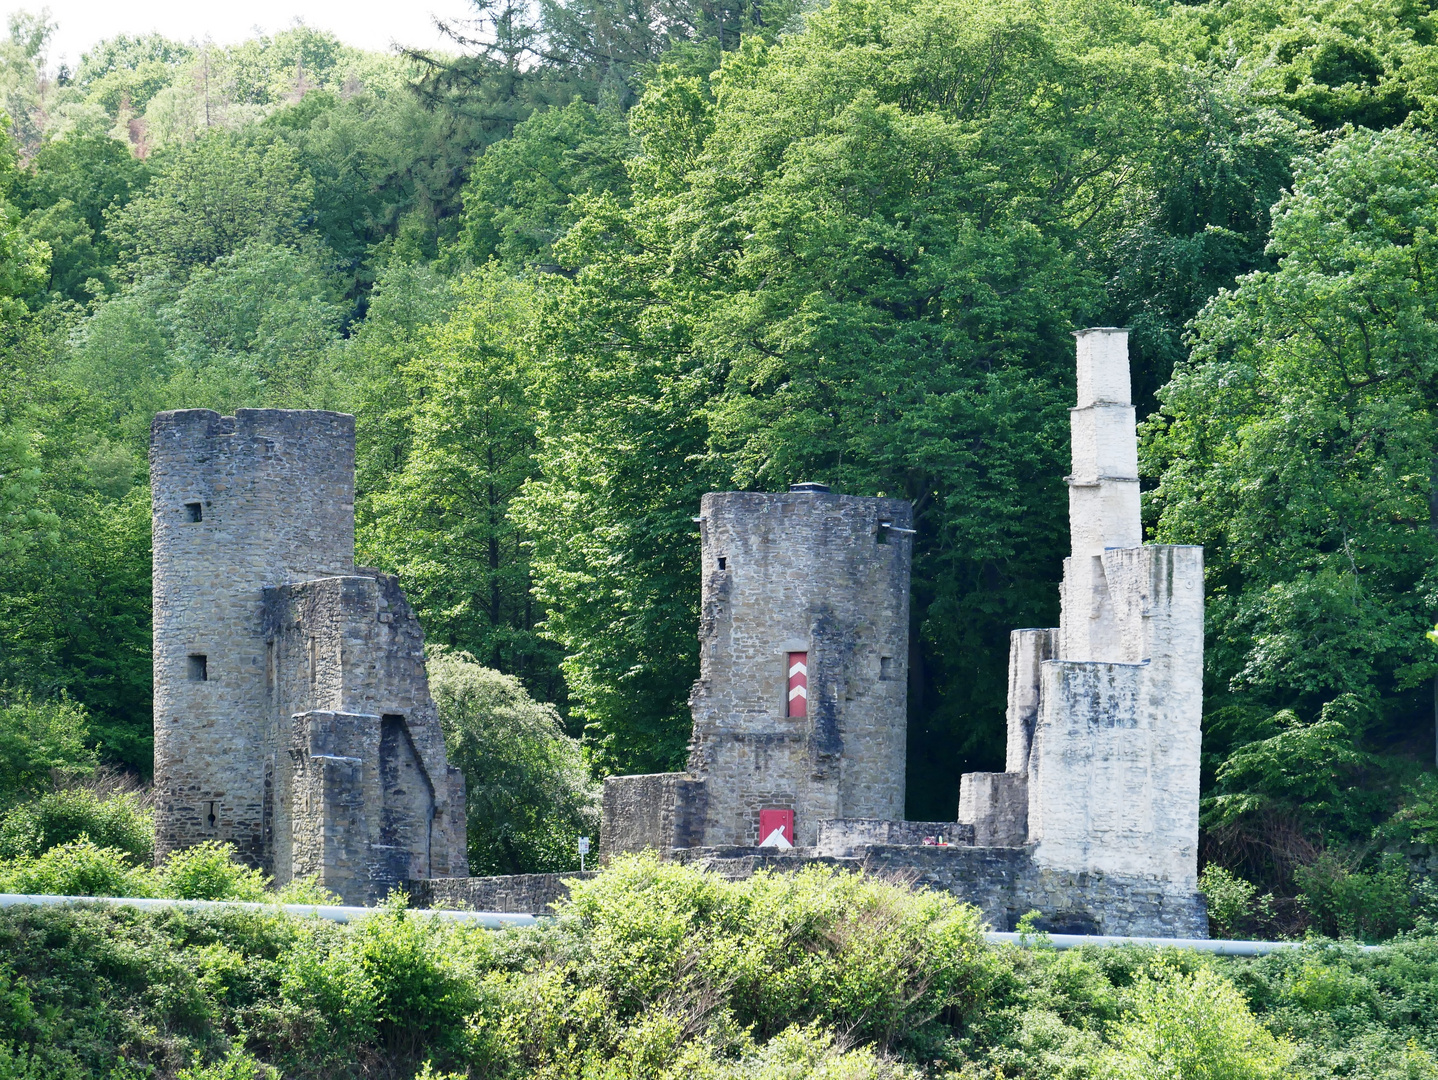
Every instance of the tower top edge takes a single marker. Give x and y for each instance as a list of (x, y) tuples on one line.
[(805, 496), (1101, 330)]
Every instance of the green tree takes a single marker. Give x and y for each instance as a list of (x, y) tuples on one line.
[(37, 737), (209, 198), (528, 790), (442, 521), (1297, 444), (65, 191), (522, 193), (855, 262)]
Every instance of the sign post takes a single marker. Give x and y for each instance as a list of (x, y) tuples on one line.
[(583, 851)]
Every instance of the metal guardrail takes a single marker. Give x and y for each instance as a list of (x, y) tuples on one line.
[(493, 920), (499, 920)]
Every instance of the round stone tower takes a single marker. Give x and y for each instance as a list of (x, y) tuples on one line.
[(240, 502), (801, 701)]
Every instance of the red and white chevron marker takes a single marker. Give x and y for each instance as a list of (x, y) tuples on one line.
[(798, 684)]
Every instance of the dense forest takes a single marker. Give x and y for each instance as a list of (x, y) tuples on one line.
[(602, 258)]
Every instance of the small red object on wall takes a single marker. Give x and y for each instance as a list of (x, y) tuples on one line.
[(798, 684), (783, 820)]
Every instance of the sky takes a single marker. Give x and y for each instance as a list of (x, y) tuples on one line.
[(366, 24)]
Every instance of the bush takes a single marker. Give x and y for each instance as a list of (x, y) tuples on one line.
[(236, 1065), (1228, 898), (120, 822), (659, 972), (425, 979), (1351, 903), (209, 871), (79, 868), (845, 950), (1197, 1027)]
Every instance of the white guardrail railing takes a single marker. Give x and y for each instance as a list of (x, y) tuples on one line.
[(500, 920)]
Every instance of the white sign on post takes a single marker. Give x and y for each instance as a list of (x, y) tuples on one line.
[(583, 851)]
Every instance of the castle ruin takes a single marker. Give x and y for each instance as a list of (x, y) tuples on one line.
[(292, 712), (1093, 823), (293, 717)]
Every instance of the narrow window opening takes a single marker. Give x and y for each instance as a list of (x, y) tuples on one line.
[(884, 527), (194, 512), (798, 668), (886, 668), (210, 816), (723, 563), (270, 667), (199, 667)]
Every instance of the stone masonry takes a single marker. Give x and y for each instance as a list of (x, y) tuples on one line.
[(1093, 823), (1101, 772), (807, 573), (292, 712)]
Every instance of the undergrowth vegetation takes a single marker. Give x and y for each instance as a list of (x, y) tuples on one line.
[(659, 971)]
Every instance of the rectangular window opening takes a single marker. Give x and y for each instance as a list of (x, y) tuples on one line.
[(199, 667), (884, 527), (723, 562), (210, 818), (886, 668), (194, 512), (798, 684)]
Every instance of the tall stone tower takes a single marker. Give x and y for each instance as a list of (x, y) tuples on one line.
[(801, 699), (292, 712), (239, 502)]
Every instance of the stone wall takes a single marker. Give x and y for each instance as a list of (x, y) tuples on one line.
[(657, 811), (515, 894), (819, 573), (1004, 884), (843, 838)]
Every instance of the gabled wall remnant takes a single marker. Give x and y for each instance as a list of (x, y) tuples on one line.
[(1101, 774), (311, 742)]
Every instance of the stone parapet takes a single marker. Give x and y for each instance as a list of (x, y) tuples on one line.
[(845, 836), (513, 894)]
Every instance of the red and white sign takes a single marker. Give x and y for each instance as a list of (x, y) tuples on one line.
[(776, 821), (798, 684)]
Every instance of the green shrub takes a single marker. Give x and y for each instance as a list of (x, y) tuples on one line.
[(210, 871), (118, 821), (1197, 1027), (1228, 898), (79, 868), (305, 890), (1350, 903), (846, 950), (425, 976), (811, 1053), (235, 1065)]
